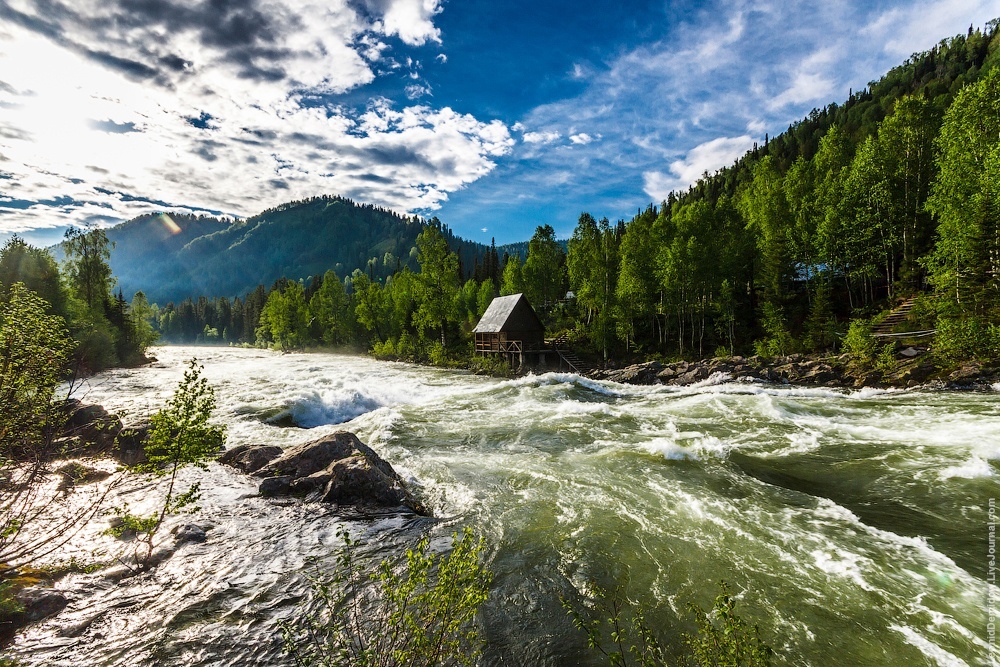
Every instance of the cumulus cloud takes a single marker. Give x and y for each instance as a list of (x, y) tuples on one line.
[(110, 109), (704, 158)]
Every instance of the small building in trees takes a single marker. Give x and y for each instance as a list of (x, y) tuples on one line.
[(510, 327)]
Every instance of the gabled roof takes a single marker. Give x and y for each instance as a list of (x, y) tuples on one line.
[(500, 311)]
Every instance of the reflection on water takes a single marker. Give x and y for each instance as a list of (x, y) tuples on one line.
[(854, 524)]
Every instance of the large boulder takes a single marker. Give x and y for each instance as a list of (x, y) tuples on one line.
[(337, 468), (250, 458)]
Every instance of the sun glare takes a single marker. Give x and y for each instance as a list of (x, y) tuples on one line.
[(169, 223)]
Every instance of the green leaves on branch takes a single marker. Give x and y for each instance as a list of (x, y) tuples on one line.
[(418, 613), (618, 630), (34, 350), (180, 434)]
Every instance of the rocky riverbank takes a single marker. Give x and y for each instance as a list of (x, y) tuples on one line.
[(914, 367), (337, 469)]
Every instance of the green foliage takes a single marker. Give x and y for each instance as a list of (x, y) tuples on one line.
[(724, 639), (544, 271), (8, 603), (284, 320), (34, 351), (777, 342), (180, 434), (593, 264), (833, 217), (331, 311), (859, 342), (966, 338), (87, 256), (419, 613), (492, 364), (618, 630), (437, 281), (36, 270), (965, 265), (513, 277), (885, 359)]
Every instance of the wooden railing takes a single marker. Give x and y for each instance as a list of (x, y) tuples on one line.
[(504, 346)]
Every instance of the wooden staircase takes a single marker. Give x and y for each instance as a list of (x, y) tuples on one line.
[(574, 362), (884, 329)]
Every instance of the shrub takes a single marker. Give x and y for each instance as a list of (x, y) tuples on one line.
[(179, 435), (859, 342), (492, 364), (35, 517), (777, 340), (723, 638), (966, 338), (420, 614)]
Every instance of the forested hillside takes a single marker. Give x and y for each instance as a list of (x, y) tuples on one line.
[(802, 245)]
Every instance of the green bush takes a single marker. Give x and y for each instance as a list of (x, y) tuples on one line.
[(723, 638), (384, 350), (777, 340), (967, 338), (885, 360), (493, 364), (859, 342), (420, 614), (179, 435)]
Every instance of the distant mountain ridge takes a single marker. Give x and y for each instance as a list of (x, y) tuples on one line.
[(171, 257)]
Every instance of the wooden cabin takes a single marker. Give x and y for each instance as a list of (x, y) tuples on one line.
[(510, 327)]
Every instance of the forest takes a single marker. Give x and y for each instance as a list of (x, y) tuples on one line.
[(801, 246)]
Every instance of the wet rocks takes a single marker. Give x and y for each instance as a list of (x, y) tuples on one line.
[(189, 532), (38, 603), (250, 458), (276, 486), (337, 468)]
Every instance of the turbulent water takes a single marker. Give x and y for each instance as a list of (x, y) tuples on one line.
[(852, 525)]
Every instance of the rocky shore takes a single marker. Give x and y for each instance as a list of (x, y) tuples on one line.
[(337, 469), (913, 368)]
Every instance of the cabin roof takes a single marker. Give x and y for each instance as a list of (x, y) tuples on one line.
[(509, 313)]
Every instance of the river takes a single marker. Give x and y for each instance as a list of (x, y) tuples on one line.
[(852, 525)]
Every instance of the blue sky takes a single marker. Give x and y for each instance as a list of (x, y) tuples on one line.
[(494, 116)]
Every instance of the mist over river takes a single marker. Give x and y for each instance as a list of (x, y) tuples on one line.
[(852, 525)]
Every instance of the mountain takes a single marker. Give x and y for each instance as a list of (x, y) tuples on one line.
[(171, 257)]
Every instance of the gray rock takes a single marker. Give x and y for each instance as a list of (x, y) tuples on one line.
[(250, 458), (275, 486), (39, 603), (189, 532), (337, 468)]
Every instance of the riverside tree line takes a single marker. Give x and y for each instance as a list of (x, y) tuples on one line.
[(893, 194), (820, 230)]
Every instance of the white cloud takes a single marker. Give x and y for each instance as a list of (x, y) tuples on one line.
[(218, 126), (412, 20), (540, 137), (417, 90), (810, 81), (582, 139), (910, 28), (441, 58), (707, 157)]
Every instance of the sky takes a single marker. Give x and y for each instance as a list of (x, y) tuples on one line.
[(496, 116)]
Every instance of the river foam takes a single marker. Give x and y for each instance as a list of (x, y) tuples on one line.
[(840, 518)]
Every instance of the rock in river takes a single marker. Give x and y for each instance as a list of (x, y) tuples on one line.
[(337, 468)]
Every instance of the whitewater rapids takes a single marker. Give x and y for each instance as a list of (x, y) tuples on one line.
[(853, 525)]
